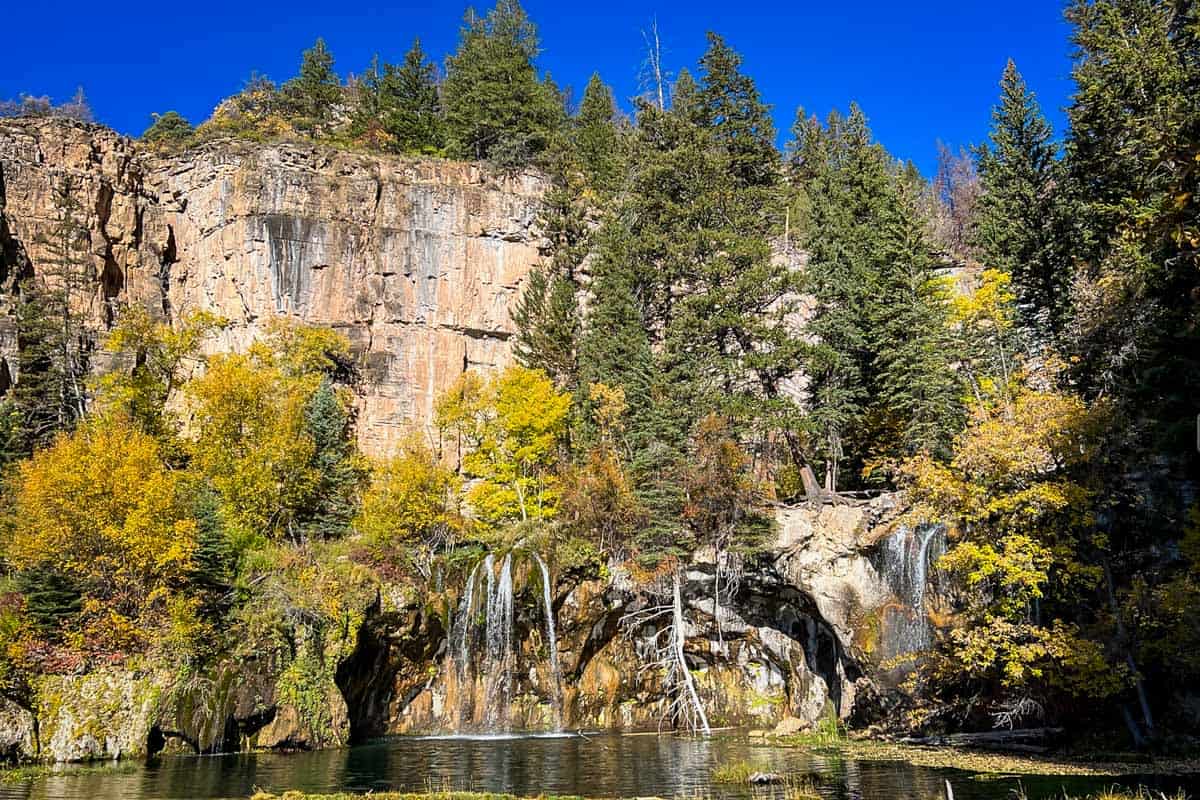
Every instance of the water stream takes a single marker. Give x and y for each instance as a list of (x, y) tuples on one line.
[(552, 640)]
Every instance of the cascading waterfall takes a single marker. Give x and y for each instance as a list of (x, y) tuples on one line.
[(907, 554), (498, 628), (494, 667), (552, 640)]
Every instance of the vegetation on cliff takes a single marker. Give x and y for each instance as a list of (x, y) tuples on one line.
[(716, 325)]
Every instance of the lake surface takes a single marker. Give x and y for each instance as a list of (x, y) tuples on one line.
[(597, 766)]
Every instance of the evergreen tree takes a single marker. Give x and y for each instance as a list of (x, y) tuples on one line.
[(334, 464), (316, 90), (686, 101), (919, 390), (848, 187), (740, 121), (1132, 153), (1017, 211), (495, 106), (169, 129), (54, 340), (50, 598), (404, 102), (598, 143), (213, 558), (547, 322)]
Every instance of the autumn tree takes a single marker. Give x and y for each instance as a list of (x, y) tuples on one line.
[(100, 508), (411, 510), (599, 499), (510, 429), (156, 360), (1023, 552), (271, 434)]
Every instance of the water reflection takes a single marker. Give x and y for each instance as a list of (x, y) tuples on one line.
[(603, 766)]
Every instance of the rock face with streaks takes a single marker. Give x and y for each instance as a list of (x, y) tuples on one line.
[(417, 261)]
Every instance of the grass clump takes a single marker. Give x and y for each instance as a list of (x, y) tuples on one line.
[(30, 772), (431, 795), (735, 771)]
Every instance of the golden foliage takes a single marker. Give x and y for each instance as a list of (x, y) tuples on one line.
[(411, 507), (249, 437), (509, 432), (101, 506)]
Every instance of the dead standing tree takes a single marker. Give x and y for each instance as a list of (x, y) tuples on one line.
[(685, 709)]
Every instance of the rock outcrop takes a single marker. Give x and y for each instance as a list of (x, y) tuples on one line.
[(416, 260), (795, 641)]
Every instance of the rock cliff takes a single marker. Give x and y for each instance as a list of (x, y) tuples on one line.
[(417, 261)]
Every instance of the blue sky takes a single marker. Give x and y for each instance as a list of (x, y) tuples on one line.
[(922, 71)]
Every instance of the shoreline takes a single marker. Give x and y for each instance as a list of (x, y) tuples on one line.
[(993, 762)]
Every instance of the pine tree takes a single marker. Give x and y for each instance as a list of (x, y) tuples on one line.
[(169, 129), (403, 101), (1132, 156), (316, 90), (740, 120), (50, 598), (918, 388), (338, 473), (54, 338), (1017, 211), (495, 106), (848, 187), (598, 144), (547, 322), (686, 101)]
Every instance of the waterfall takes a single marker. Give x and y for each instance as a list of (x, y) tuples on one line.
[(554, 671), (461, 639), (488, 662), (498, 630), (907, 555)]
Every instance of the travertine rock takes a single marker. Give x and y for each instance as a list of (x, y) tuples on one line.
[(417, 261)]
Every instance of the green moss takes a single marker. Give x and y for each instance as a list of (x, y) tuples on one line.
[(305, 686)]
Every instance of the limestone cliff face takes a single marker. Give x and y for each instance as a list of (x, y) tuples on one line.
[(417, 261)]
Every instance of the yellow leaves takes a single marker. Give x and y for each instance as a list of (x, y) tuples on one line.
[(249, 425), (992, 304), (1011, 490), (100, 505), (1018, 654), (411, 504), (608, 410), (509, 431), (101, 492), (302, 350)]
